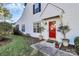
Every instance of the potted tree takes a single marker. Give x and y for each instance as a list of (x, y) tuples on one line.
[(64, 29)]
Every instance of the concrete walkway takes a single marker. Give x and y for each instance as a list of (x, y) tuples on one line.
[(49, 49)]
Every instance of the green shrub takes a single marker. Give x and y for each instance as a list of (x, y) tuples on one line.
[(76, 41), (17, 31), (5, 28), (51, 41), (2, 38)]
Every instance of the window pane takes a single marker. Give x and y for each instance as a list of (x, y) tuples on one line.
[(23, 28), (36, 5), (37, 27), (38, 30), (34, 29), (17, 27), (36, 8)]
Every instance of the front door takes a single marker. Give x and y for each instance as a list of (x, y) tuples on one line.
[(52, 30)]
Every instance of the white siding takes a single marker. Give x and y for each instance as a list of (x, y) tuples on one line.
[(29, 18), (71, 17)]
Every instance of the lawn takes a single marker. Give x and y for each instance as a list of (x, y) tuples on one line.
[(17, 47)]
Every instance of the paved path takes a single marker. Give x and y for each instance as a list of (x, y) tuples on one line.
[(49, 49)]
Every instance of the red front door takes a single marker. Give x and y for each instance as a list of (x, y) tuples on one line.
[(52, 29)]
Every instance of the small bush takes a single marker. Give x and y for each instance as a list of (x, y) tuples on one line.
[(5, 28), (76, 41), (51, 41), (27, 35), (17, 32), (2, 38)]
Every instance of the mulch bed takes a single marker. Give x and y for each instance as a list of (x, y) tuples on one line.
[(70, 48), (33, 40), (5, 41)]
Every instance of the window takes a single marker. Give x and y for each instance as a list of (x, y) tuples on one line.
[(17, 27), (23, 28), (25, 4), (37, 27), (36, 8)]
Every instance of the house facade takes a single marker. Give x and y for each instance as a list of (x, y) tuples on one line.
[(43, 19)]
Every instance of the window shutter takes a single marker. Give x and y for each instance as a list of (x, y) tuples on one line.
[(33, 9), (25, 4), (39, 7)]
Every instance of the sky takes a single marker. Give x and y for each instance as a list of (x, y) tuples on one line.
[(16, 10)]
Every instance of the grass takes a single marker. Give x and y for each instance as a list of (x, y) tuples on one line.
[(18, 47)]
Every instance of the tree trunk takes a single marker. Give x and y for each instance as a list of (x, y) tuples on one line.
[(64, 35)]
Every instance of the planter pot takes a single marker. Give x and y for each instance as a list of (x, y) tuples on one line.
[(65, 42), (56, 45), (40, 37)]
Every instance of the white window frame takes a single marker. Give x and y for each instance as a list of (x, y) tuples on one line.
[(37, 27)]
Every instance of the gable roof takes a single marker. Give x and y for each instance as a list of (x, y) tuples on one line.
[(53, 6)]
